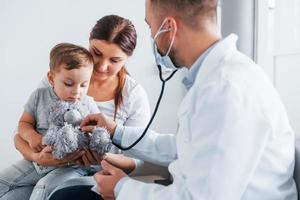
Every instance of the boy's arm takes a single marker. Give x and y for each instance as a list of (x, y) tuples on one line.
[(44, 157), (27, 132)]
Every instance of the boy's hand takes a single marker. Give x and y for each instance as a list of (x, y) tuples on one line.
[(35, 142), (45, 158)]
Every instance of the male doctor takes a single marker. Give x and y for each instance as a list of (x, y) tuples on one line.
[(234, 140)]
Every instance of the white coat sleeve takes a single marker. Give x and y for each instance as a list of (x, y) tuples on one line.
[(154, 147), (138, 113), (227, 137)]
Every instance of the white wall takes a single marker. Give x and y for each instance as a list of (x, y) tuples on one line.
[(29, 29), (238, 17), (279, 53)]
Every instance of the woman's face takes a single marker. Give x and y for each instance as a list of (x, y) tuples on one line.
[(108, 59)]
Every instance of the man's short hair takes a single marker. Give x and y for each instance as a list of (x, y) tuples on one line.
[(192, 12), (70, 55)]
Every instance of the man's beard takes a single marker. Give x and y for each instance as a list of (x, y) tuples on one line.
[(175, 61)]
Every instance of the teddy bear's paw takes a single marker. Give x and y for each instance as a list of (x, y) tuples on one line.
[(100, 141)]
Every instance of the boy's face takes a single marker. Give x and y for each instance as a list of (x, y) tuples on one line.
[(70, 85)]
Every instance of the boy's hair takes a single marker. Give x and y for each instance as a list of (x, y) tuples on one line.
[(192, 12), (70, 55)]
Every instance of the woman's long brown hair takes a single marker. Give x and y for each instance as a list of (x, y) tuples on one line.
[(121, 32)]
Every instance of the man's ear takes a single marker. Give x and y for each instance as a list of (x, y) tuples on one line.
[(50, 76), (172, 25)]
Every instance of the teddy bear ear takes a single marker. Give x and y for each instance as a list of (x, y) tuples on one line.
[(56, 112)]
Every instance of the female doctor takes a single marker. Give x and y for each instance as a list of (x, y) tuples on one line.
[(234, 140)]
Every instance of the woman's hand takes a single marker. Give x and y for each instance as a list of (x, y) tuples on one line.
[(125, 163), (98, 120), (35, 142), (90, 158), (45, 158)]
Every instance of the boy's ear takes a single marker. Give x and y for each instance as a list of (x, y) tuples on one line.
[(50, 76)]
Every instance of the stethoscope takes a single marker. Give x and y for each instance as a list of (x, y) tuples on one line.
[(163, 80)]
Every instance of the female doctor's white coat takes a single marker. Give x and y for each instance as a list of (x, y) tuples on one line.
[(234, 140)]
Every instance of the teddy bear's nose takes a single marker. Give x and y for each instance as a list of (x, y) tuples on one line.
[(68, 109)]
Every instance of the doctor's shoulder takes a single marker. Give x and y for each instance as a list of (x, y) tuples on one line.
[(237, 75)]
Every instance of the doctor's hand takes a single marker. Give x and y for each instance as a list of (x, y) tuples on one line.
[(107, 179), (98, 120)]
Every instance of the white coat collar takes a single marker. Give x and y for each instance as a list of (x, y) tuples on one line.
[(216, 56), (210, 64)]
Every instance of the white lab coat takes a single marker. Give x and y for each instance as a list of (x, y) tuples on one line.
[(234, 140)]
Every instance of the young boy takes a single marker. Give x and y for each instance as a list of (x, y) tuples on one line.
[(71, 67)]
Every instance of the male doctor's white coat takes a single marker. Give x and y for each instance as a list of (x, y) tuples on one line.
[(234, 140)]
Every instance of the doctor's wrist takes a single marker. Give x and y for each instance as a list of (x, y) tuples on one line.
[(119, 185)]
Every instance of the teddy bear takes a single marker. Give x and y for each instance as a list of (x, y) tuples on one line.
[(64, 133)]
